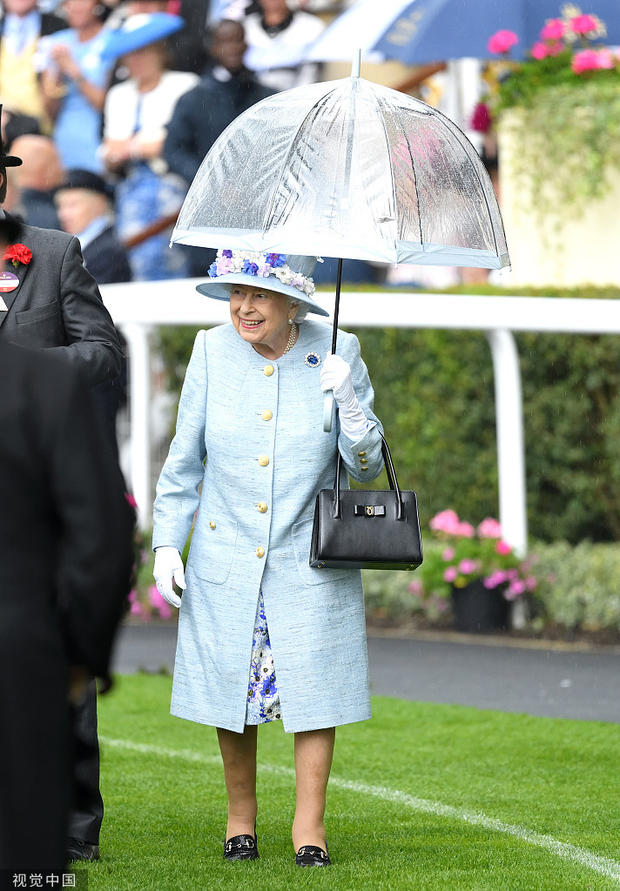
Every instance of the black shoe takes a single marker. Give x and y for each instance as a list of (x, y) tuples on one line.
[(81, 850), (310, 855), (241, 847)]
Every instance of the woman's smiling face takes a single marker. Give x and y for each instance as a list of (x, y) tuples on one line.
[(261, 318)]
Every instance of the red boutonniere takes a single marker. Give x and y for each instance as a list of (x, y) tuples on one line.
[(18, 253)]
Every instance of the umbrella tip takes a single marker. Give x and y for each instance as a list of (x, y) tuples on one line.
[(357, 62)]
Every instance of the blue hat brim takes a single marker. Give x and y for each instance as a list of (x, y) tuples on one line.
[(221, 287), (159, 26)]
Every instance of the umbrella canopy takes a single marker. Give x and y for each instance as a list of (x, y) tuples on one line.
[(346, 169), (417, 31)]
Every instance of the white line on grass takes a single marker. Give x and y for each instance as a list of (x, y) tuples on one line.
[(603, 865)]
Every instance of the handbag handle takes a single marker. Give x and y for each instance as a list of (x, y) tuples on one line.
[(391, 475)]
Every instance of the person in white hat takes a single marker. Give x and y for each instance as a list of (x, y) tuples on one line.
[(262, 635)]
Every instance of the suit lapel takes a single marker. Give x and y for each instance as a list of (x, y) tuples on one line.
[(10, 296)]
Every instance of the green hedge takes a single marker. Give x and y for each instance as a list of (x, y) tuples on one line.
[(434, 394)]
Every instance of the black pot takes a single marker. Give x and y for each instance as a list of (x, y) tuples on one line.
[(477, 608)]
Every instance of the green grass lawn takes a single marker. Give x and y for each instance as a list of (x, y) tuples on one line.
[(413, 798)]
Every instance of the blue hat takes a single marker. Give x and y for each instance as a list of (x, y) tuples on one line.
[(284, 273), (141, 30)]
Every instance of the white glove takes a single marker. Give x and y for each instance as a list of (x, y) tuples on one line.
[(336, 376), (168, 567)]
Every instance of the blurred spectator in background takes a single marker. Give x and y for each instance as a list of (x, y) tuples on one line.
[(21, 26), (65, 567), (136, 114), (277, 38), (225, 91), (85, 210), (40, 173), (74, 81), (187, 50)]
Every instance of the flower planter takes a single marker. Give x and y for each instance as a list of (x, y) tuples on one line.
[(478, 609)]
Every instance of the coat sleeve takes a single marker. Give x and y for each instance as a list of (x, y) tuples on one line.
[(363, 459), (177, 489), (95, 523), (94, 343)]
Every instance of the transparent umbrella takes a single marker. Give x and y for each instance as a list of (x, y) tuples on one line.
[(349, 169)]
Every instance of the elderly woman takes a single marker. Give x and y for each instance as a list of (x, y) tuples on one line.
[(262, 635)]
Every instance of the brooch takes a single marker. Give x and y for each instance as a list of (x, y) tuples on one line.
[(312, 360)]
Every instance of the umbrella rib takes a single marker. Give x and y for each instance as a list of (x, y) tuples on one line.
[(389, 154), (285, 165), (415, 180)]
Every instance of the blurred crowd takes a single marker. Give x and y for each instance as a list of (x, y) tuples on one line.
[(113, 104)]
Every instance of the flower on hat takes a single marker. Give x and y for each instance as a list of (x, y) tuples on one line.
[(260, 265)]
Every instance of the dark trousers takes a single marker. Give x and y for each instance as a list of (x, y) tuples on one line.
[(86, 813)]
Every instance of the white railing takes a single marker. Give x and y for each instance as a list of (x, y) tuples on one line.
[(138, 307)]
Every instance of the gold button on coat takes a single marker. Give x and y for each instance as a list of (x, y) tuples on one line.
[(262, 507), (364, 468), (268, 370), (211, 525), (363, 461), (361, 454), (260, 552), (263, 460), (266, 415)]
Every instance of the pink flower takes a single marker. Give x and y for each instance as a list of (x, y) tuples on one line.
[(468, 566), (448, 554), (539, 51), (515, 589), (496, 578), (502, 41), (159, 603), (466, 530), (450, 574), (531, 583), (489, 528), (553, 30), (131, 501), (606, 58), (445, 521), (553, 49), (586, 60), (583, 24), (502, 547), (415, 587), (481, 118)]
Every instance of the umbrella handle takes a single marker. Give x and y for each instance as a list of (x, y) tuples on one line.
[(329, 411)]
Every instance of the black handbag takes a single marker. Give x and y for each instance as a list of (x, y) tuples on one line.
[(355, 529)]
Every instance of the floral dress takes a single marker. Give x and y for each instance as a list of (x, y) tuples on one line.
[(263, 704)]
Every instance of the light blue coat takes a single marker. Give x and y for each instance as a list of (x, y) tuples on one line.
[(227, 440)]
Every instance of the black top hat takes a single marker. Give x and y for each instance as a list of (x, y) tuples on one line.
[(7, 160), (86, 179)]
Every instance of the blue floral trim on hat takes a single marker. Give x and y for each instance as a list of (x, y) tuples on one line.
[(262, 266)]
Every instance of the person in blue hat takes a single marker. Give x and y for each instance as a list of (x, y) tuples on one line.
[(262, 635), (137, 112)]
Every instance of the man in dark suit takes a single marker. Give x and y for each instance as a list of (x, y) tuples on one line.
[(53, 304), (65, 564), (83, 201)]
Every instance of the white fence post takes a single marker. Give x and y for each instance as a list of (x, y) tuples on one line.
[(510, 449), (137, 336)]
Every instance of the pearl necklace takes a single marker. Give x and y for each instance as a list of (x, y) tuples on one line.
[(291, 338)]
